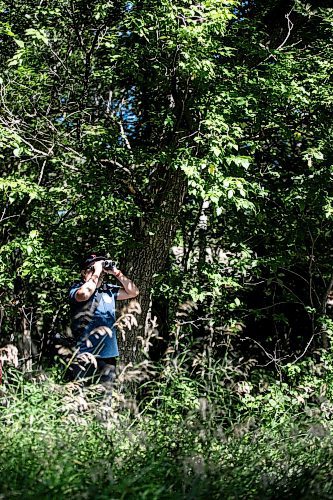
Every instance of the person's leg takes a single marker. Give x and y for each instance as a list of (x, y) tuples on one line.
[(82, 368), (109, 361), (107, 369)]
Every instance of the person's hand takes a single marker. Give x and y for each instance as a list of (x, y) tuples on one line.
[(115, 272), (98, 267), (109, 270)]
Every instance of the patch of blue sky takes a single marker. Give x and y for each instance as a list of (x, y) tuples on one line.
[(126, 111), (129, 6), (59, 120)]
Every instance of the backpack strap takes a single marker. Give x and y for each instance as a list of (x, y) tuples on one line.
[(88, 316)]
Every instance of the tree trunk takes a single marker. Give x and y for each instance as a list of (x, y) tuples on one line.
[(149, 255), (25, 344), (327, 301)]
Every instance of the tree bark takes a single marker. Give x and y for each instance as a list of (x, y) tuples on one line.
[(326, 301), (149, 255), (25, 344)]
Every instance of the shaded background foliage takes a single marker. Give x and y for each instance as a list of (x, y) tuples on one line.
[(190, 141)]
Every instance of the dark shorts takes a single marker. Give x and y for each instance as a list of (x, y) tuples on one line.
[(92, 369)]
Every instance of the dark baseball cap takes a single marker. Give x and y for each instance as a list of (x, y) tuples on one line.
[(90, 259)]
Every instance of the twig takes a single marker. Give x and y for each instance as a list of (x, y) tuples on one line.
[(290, 27), (306, 348), (41, 173), (124, 136), (9, 217)]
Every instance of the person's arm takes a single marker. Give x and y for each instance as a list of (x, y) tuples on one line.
[(129, 290), (87, 289)]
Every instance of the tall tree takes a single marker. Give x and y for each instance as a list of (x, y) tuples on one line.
[(120, 121)]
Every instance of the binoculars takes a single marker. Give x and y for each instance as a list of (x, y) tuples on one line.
[(109, 265)]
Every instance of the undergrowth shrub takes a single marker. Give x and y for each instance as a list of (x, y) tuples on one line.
[(223, 431)]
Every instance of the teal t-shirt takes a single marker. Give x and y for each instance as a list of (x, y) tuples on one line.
[(93, 321)]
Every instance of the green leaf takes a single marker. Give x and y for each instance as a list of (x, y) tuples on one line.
[(217, 151), (318, 155), (20, 43)]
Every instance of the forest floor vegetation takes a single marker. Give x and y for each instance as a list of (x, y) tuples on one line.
[(224, 432)]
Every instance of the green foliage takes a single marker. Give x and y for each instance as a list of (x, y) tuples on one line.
[(224, 432), (123, 126)]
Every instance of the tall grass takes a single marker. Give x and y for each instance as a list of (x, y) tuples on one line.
[(210, 430)]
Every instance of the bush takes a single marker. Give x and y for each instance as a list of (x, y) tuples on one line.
[(245, 436)]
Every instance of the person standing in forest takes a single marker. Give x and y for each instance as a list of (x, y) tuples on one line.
[(93, 311)]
